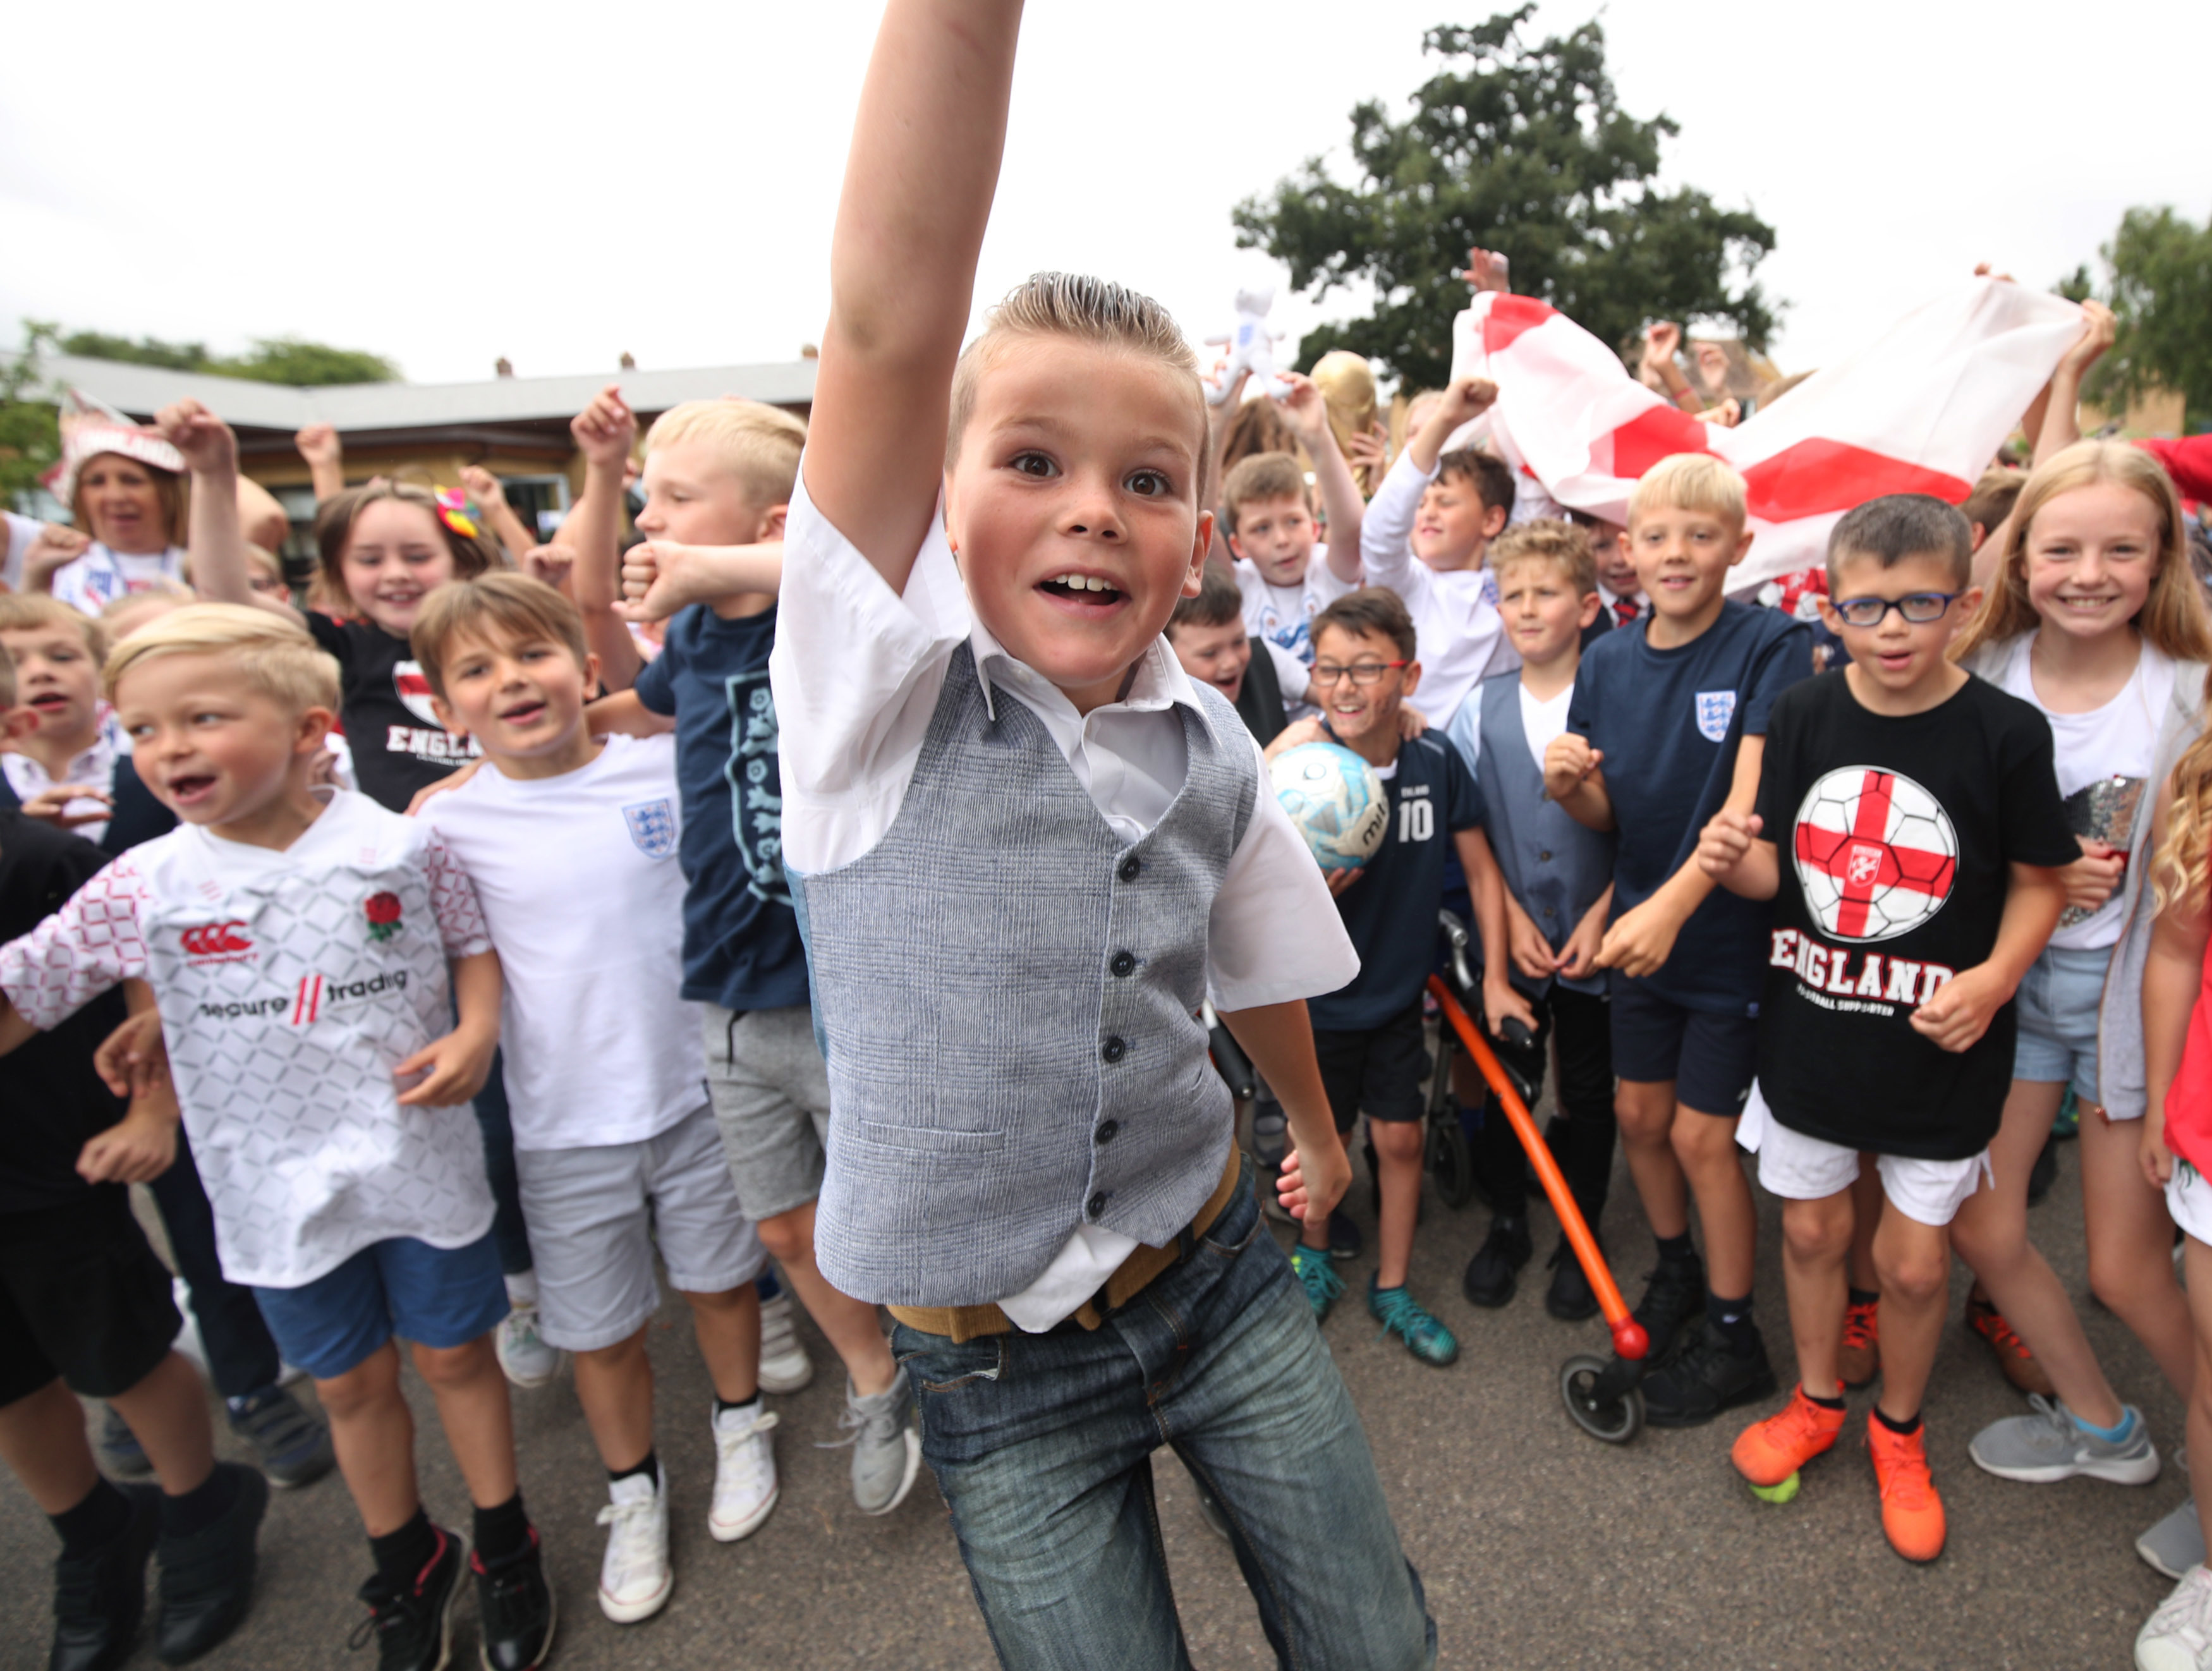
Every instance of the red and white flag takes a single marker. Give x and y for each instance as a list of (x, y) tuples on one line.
[(1922, 409)]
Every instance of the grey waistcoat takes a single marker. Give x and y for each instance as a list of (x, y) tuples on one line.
[(1554, 866), (1005, 993)]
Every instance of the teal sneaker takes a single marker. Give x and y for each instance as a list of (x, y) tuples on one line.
[(1317, 1276), (1400, 1314), (2069, 1122)]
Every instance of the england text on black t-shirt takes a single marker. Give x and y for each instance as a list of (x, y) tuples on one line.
[(1895, 837), (1669, 722), (384, 705), (1390, 913), (741, 944), (51, 1103)]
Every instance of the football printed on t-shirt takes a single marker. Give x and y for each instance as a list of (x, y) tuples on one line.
[(1876, 854), (412, 686)]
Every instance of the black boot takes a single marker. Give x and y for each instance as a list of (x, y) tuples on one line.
[(207, 1579), (1570, 1299), (1490, 1274), (1707, 1378), (100, 1598), (1673, 1295)]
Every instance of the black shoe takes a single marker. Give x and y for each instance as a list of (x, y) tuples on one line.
[(2044, 1173), (121, 1455), (100, 1599), (514, 1609), (1707, 1376), (1490, 1273), (1345, 1241), (293, 1448), (1673, 1295), (1570, 1299), (207, 1579), (413, 1629)]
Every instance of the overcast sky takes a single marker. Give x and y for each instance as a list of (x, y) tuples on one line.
[(558, 184)]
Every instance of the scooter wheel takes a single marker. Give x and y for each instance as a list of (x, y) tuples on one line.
[(1616, 1420), (1451, 1161)]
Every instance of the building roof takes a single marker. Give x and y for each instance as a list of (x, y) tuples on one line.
[(360, 408)]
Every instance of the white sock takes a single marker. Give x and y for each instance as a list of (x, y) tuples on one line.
[(522, 1289)]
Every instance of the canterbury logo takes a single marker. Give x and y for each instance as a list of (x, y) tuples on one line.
[(216, 941)]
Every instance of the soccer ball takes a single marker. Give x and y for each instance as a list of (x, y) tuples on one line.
[(1876, 853), (1336, 801)]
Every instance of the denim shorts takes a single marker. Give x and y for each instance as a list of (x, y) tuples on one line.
[(2058, 1005), (435, 1296)]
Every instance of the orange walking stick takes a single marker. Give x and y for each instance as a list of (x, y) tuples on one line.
[(1629, 1338)]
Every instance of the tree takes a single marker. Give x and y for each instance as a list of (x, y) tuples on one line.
[(30, 440), (2159, 267), (1523, 149), (290, 360)]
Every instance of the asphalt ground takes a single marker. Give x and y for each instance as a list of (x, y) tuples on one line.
[(1539, 1546)]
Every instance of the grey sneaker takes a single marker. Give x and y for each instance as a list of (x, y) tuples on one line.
[(2178, 1636), (784, 1365), (2175, 1544), (2050, 1445), (293, 1448), (886, 1452)]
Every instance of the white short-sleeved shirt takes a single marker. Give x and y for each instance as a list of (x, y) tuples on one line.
[(1461, 640), (291, 985), (95, 766), (856, 673), (97, 578), (580, 889), (2107, 755), (1283, 615)]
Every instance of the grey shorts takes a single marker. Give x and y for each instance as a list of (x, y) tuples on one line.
[(771, 1092), (596, 1214)]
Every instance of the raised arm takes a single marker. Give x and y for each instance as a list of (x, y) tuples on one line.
[(605, 432), (324, 453), (1307, 413), (222, 572), (2062, 420), (483, 487), (918, 188)]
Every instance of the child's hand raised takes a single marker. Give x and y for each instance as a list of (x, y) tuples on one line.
[(1568, 764), (481, 486), (1486, 269), (1463, 399), (1662, 341), (548, 563), (2099, 330), (1962, 1009), (1726, 841), (606, 430), (55, 547), (206, 439), (1303, 407), (319, 444)]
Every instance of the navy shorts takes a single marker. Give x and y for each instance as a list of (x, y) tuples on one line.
[(1379, 1069), (435, 1296), (1712, 1058)]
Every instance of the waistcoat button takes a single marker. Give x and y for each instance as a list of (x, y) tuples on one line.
[(1095, 1204), (1108, 1131), (1130, 866), (1114, 1050), (1123, 965), (1546, 857)]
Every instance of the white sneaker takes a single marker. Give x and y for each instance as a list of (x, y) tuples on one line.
[(523, 1353), (784, 1366), (2178, 1636), (636, 1578), (744, 1474)]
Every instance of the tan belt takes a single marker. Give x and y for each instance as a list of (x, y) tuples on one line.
[(966, 1322)]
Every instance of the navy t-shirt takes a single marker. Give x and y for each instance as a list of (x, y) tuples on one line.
[(1667, 722), (741, 946), (1390, 913)]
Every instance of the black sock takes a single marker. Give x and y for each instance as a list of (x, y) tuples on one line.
[(502, 1533), (724, 1406), (650, 1467), (1731, 1319), (1675, 1249), (1860, 1297), (199, 1508), (402, 1555), (94, 1523), (1835, 1403), (1883, 1417)]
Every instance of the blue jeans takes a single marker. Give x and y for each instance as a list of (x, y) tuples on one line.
[(1043, 1444)]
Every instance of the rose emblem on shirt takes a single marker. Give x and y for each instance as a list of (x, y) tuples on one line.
[(382, 910)]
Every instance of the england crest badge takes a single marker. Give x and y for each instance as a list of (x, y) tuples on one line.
[(1714, 709), (652, 827)]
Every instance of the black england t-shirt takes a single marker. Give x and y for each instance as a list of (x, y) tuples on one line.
[(384, 704), (1894, 836)]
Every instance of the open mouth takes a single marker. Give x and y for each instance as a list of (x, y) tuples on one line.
[(190, 790), (1082, 591), (526, 713), (50, 703)]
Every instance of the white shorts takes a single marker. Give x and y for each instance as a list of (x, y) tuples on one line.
[(1799, 1168), (2189, 1200), (595, 1215)]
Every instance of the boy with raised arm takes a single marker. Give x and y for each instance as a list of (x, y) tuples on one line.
[(1029, 846), (1286, 574)]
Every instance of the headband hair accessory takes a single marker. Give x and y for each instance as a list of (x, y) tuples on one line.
[(453, 511), (89, 427)]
